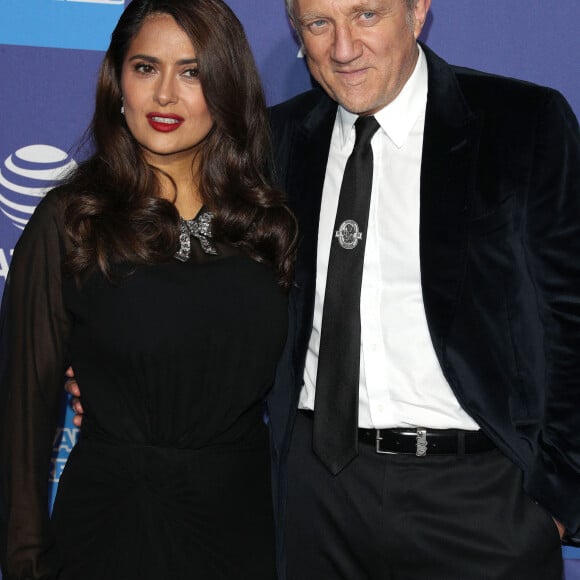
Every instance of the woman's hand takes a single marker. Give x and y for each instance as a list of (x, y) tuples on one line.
[(71, 386)]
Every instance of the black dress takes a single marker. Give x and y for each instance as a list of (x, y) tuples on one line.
[(170, 477)]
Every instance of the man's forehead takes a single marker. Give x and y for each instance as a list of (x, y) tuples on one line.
[(303, 6)]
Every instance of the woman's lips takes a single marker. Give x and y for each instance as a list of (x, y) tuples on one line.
[(164, 122)]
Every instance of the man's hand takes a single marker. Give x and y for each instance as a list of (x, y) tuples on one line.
[(560, 526), (72, 387)]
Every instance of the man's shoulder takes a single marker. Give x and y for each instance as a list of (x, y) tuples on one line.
[(488, 91), (489, 86), (514, 102)]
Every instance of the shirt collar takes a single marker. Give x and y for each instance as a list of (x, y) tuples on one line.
[(398, 117)]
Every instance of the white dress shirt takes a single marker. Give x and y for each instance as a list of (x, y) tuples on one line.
[(401, 382)]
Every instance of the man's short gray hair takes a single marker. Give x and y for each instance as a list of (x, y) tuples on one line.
[(290, 8)]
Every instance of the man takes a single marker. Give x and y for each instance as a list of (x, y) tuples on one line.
[(469, 317), (469, 327)]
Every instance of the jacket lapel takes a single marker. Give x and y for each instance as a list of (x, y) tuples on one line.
[(448, 181), (308, 158), (303, 155)]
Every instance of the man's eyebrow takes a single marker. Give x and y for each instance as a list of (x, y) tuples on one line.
[(310, 16), (358, 8), (371, 7)]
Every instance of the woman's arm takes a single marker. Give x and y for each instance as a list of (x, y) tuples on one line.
[(34, 327)]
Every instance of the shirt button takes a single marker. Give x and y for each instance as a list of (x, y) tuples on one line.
[(381, 408)]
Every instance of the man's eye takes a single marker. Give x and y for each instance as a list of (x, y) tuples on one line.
[(368, 15), (317, 26)]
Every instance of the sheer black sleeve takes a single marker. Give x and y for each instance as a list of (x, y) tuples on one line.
[(33, 333)]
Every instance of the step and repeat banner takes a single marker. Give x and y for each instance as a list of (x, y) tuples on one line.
[(50, 51)]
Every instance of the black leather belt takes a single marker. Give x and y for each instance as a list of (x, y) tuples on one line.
[(422, 442)]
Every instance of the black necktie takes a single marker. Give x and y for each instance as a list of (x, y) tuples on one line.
[(337, 383)]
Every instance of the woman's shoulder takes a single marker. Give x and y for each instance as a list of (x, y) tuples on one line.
[(47, 221), (53, 202), (50, 209)]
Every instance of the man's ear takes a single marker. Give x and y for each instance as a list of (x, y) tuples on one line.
[(420, 15)]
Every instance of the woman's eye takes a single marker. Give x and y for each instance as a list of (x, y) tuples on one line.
[(144, 68), (191, 73)]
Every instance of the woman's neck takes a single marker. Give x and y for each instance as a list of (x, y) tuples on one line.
[(182, 190)]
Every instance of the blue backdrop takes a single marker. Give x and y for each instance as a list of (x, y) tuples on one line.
[(50, 51)]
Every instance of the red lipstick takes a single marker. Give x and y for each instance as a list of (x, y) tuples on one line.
[(164, 122)]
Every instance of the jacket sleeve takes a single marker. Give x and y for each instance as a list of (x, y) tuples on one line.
[(33, 331), (553, 251)]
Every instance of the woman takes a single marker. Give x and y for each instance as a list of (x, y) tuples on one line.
[(159, 272)]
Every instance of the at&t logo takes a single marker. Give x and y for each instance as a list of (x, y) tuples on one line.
[(25, 177)]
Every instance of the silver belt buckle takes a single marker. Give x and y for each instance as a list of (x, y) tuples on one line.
[(378, 445), (421, 442), (421, 445)]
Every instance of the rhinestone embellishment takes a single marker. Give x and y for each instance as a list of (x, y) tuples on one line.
[(200, 228), (348, 234)]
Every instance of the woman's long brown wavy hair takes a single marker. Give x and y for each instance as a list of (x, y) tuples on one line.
[(114, 212)]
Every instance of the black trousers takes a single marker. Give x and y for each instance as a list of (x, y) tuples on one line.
[(401, 517)]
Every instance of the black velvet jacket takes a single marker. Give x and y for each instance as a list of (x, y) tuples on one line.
[(500, 263)]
